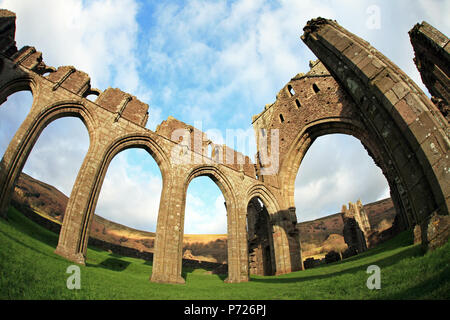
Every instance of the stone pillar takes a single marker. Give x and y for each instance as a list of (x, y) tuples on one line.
[(167, 258), (74, 235), (286, 243), (237, 243), (14, 159), (281, 248)]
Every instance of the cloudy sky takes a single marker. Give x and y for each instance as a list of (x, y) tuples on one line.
[(207, 63)]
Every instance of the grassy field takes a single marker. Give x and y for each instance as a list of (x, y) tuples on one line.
[(30, 270)]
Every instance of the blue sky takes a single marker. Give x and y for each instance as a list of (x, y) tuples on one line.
[(212, 63)]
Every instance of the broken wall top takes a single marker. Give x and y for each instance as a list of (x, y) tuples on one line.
[(68, 77)]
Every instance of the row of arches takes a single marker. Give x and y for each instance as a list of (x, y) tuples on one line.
[(40, 119), (266, 249)]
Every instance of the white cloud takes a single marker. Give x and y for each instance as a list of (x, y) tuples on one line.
[(12, 113), (336, 169), (97, 37), (205, 211), (131, 193)]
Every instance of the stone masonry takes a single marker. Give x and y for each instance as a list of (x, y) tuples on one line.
[(432, 58), (353, 89), (356, 226)]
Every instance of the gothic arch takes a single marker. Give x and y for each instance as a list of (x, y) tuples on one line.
[(79, 242), (371, 142), (284, 249), (413, 131), (263, 250), (237, 236), (26, 136), (267, 197), (218, 177)]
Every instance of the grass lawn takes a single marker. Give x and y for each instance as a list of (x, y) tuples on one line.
[(29, 269)]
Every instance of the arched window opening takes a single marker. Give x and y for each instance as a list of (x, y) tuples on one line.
[(209, 151), (92, 97), (92, 94), (260, 241), (130, 197), (297, 103), (50, 171), (205, 222), (337, 170), (281, 118)]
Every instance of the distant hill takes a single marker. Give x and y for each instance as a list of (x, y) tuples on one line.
[(325, 234), (317, 236)]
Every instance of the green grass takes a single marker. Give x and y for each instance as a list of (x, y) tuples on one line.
[(29, 269)]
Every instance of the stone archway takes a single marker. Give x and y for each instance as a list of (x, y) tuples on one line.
[(260, 239), (170, 229), (80, 209), (284, 238), (352, 127), (236, 232), (414, 134), (26, 136)]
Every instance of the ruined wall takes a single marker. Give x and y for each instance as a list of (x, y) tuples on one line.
[(306, 99), (356, 226), (261, 251), (412, 134), (115, 121), (432, 58)]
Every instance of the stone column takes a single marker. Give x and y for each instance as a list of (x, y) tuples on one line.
[(237, 243), (285, 243), (281, 249), (74, 235), (167, 258), (14, 159)]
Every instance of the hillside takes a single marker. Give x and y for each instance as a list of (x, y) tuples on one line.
[(50, 203), (325, 234), (317, 237)]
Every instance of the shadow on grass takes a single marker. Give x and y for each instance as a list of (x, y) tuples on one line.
[(112, 264), (14, 239), (185, 271), (22, 224), (426, 289)]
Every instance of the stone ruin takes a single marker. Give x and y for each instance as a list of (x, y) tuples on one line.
[(351, 89), (356, 227)]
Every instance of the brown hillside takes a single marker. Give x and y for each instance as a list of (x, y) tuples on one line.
[(50, 202), (325, 234)]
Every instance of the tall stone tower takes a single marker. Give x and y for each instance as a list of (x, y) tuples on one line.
[(356, 226)]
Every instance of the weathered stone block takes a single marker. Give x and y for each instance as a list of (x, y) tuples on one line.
[(437, 231)]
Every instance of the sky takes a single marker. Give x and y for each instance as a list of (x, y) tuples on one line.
[(212, 64)]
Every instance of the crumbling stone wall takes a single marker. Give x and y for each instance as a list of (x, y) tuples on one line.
[(260, 244), (432, 58), (411, 134), (356, 227)]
